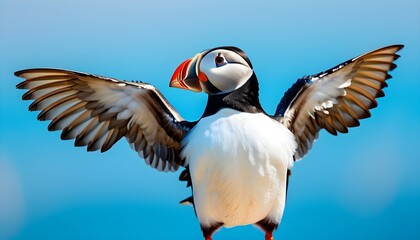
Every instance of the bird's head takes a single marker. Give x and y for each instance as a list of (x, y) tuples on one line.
[(215, 71)]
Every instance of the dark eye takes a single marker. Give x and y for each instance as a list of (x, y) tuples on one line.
[(220, 60)]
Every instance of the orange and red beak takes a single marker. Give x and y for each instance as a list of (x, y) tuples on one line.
[(188, 76)]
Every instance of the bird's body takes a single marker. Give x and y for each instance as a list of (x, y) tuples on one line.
[(237, 158), (238, 163)]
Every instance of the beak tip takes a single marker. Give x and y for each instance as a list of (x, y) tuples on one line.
[(174, 83), (185, 76)]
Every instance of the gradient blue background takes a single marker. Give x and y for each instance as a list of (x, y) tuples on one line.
[(362, 185)]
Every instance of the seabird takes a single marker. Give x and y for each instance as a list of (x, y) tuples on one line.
[(236, 158)]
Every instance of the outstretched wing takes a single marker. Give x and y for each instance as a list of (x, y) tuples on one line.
[(336, 99), (98, 111)]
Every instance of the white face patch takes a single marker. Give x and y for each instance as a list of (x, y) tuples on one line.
[(225, 69)]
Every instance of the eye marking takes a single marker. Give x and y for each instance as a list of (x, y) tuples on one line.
[(220, 60)]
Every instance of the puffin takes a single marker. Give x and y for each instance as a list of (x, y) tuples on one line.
[(236, 157)]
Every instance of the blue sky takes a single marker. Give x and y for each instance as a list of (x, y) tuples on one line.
[(362, 185)]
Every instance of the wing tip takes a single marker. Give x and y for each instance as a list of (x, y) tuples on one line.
[(399, 46), (21, 85), (20, 73), (392, 66)]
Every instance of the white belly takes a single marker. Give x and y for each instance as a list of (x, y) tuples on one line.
[(238, 164)]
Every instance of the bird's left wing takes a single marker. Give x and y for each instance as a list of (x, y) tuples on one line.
[(98, 111), (336, 99)]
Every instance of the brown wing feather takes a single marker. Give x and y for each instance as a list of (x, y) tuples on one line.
[(98, 111), (338, 98)]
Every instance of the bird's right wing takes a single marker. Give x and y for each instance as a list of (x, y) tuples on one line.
[(336, 99), (98, 111)]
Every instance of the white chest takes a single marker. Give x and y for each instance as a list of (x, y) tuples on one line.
[(238, 164)]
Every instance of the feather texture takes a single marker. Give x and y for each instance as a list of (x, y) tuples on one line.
[(98, 111), (238, 163), (336, 99)]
